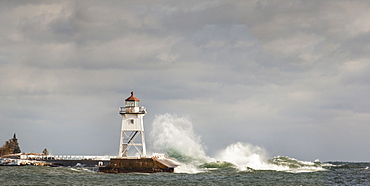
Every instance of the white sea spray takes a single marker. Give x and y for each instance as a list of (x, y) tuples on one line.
[(175, 136)]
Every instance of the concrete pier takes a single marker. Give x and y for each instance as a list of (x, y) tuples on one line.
[(144, 165)]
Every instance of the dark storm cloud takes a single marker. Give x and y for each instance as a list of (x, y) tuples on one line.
[(281, 72)]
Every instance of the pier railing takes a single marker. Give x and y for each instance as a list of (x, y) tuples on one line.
[(65, 157), (74, 157)]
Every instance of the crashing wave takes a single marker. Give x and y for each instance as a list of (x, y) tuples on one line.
[(175, 137)]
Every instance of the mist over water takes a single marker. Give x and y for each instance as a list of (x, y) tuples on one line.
[(174, 136)]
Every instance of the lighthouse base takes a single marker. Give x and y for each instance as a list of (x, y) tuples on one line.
[(143, 165)]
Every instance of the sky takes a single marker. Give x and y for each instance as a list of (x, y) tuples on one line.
[(292, 77)]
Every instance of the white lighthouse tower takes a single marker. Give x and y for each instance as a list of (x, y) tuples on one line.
[(132, 134)]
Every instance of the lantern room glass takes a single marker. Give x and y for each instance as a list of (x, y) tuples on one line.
[(132, 103)]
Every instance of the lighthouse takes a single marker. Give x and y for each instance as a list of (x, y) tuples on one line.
[(132, 151), (132, 142)]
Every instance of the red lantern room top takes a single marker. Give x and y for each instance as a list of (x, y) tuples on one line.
[(132, 101), (132, 106), (132, 98)]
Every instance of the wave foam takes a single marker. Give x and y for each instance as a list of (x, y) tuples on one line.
[(174, 136)]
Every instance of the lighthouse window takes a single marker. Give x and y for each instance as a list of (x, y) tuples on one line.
[(131, 121)]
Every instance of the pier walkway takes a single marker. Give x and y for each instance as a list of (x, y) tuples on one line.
[(65, 157)]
